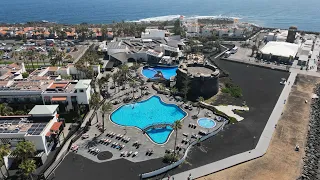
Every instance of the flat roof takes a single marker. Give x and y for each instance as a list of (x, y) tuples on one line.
[(200, 70), (22, 125), (43, 109), (83, 84), (282, 49)]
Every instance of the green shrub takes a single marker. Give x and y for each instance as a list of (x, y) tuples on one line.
[(25, 75), (232, 120), (233, 90), (168, 158)]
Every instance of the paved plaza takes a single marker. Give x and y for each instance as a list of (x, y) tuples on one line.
[(136, 134)]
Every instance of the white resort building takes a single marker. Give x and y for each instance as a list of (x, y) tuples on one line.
[(40, 126), (151, 50)]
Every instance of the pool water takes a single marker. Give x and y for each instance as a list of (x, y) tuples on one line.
[(206, 123), (167, 72), (148, 112)]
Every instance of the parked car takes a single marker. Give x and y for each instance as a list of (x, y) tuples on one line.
[(227, 54)]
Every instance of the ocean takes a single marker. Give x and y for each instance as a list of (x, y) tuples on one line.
[(268, 13)]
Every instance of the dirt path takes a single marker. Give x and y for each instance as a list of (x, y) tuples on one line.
[(280, 161)]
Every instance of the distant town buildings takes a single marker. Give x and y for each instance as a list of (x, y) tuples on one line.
[(46, 32), (235, 30)]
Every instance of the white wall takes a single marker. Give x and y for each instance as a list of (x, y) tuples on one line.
[(153, 33), (84, 97), (38, 141)]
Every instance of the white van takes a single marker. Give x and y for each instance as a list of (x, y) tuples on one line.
[(234, 50), (227, 54)]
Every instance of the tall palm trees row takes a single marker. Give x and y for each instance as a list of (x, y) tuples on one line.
[(31, 56), (83, 64)]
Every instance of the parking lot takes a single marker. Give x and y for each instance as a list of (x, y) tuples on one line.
[(12, 50)]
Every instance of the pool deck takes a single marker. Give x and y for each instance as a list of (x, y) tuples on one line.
[(136, 134)]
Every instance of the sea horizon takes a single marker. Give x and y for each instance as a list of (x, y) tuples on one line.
[(283, 14)]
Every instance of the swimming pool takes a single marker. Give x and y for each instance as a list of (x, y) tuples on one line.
[(167, 72), (206, 123), (146, 113)]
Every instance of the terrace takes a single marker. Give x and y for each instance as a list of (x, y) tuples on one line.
[(61, 87)]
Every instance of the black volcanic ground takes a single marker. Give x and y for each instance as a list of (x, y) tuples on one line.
[(261, 89)]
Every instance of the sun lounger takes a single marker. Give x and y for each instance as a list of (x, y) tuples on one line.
[(129, 153), (122, 153), (125, 153), (185, 134)]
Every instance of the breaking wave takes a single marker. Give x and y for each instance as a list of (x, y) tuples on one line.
[(173, 17)]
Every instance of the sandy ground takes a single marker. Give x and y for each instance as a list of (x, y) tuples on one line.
[(280, 161)]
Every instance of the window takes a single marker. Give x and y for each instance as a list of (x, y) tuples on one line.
[(81, 90)]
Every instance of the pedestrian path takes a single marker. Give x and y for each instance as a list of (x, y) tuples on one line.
[(261, 147)]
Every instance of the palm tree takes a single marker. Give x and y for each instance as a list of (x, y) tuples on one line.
[(185, 87), (114, 78), (217, 44), (105, 109), (28, 166), (174, 91), (4, 151), (142, 83), (31, 55), (132, 84), (43, 57), (200, 99), (104, 32), (176, 126), (5, 109), (95, 99), (59, 57), (124, 70), (253, 48), (24, 150)]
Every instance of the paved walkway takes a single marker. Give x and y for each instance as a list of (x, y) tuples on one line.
[(261, 147), (77, 59)]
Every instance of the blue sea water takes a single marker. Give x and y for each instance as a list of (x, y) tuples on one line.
[(148, 112), (167, 72), (271, 13)]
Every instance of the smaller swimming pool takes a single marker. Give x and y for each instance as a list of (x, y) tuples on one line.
[(206, 123), (167, 72)]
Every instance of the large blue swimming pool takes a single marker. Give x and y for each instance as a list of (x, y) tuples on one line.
[(167, 72), (145, 113)]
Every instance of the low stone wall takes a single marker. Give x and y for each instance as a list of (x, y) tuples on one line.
[(312, 157), (160, 91), (176, 164), (214, 110)]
